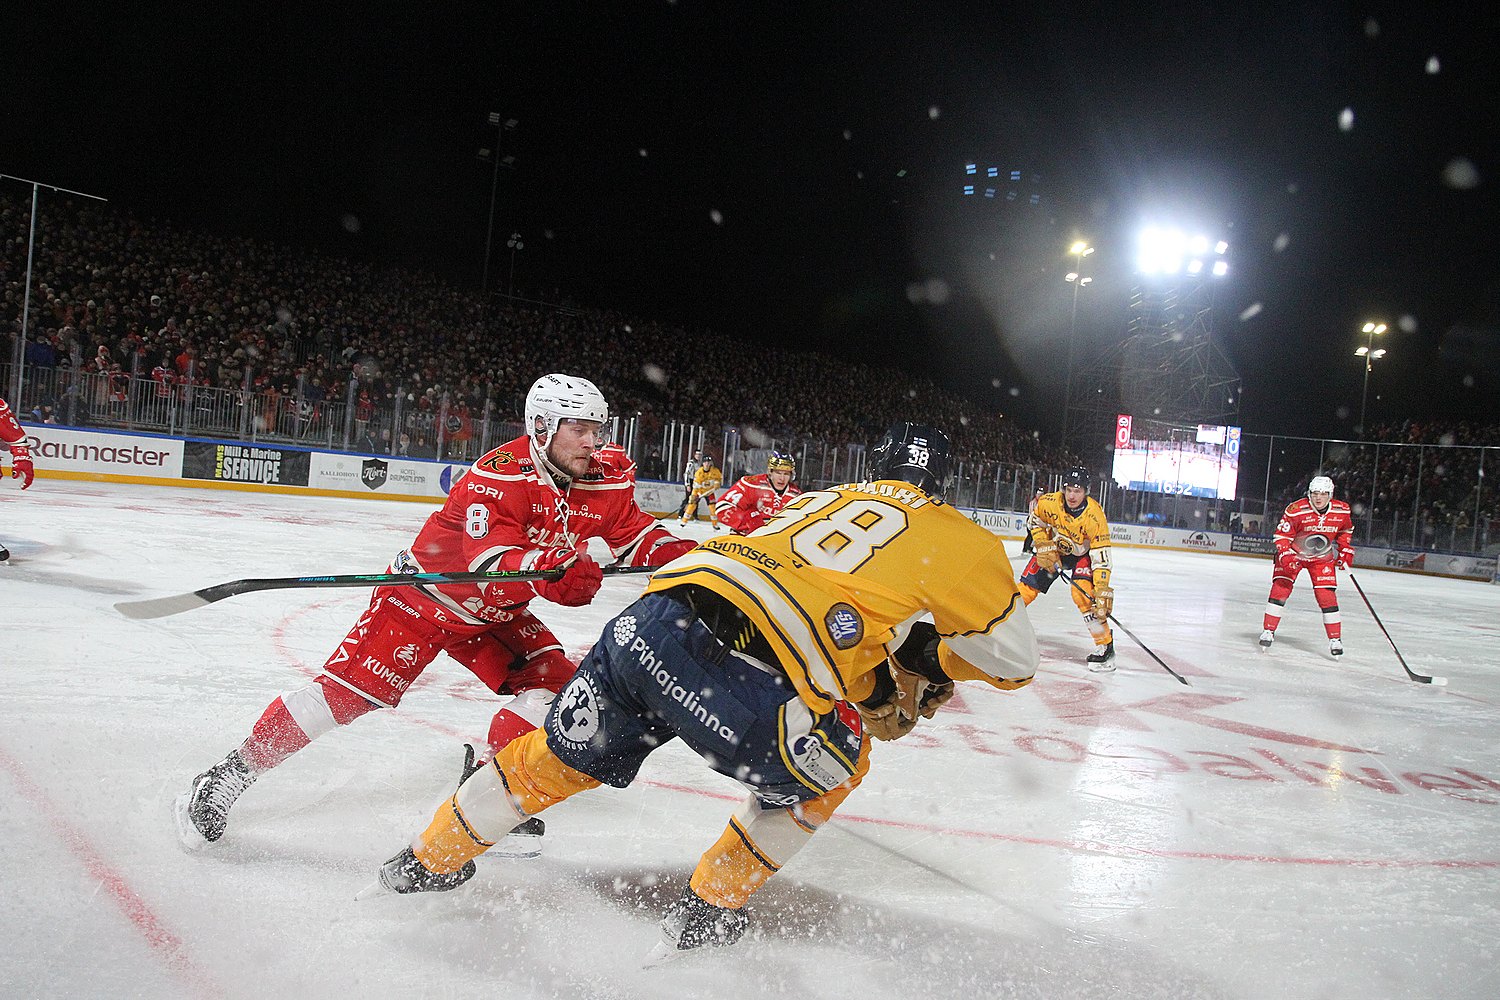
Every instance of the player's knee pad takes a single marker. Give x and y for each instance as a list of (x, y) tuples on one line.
[(1028, 592), (1083, 596), (537, 778), (1281, 589)]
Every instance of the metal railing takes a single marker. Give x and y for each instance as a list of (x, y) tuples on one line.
[(1403, 495)]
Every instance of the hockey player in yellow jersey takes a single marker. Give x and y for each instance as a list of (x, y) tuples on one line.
[(1069, 532), (707, 479), (775, 656)]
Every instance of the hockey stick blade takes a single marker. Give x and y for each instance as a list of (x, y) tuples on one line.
[(1419, 678), (161, 607)]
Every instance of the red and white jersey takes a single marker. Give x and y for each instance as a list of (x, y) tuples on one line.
[(504, 513), (751, 502), (1301, 520), (10, 430)]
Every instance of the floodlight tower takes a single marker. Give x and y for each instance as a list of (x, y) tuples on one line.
[(1079, 250), (1371, 330), (1168, 367)]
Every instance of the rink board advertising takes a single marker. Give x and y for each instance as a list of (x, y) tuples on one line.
[(244, 463), (1191, 462)]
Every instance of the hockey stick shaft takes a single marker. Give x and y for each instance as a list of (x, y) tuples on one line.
[(1116, 623), (160, 607), (1419, 678)]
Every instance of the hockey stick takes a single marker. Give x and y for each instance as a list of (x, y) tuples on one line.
[(1116, 622), (1419, 678), (161, 607)]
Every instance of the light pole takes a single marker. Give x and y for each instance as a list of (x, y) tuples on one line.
[(493, 155), (515, 244), (1077, 251), (1371, 330), (19, 357)]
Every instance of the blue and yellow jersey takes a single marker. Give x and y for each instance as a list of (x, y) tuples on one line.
[(1086, 532), (841, 573)]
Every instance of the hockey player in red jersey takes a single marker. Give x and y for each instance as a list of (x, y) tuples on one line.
[(529, 504), (754, 500), (1315, 533), (20, 456)]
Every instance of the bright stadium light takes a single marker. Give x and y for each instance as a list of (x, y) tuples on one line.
[(1171, 251)]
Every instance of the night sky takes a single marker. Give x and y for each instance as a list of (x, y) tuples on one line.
[(791, 173)]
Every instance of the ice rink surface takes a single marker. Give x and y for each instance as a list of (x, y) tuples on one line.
[(1287, 826)]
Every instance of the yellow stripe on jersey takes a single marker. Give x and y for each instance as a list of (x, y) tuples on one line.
[(829, 578)]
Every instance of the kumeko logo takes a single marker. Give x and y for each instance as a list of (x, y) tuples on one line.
[(672, 688), (407, 655), (373, 473)]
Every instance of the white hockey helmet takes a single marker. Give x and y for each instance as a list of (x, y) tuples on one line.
[(1320, 484), (555, 398)]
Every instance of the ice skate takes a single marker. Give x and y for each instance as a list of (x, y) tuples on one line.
[(405, 874), (525, 841), (693, 922), (1335, 647), (4, 553), (1266, 638), (203, 810), (1102, 659)]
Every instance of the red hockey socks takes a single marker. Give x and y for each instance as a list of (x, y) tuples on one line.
[(297, 718)]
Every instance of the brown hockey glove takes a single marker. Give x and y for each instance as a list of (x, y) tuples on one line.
[(901, 695), (1045, 551), (1104, 602)]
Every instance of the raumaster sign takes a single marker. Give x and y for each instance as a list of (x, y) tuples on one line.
[(244, 463), (68, 450)]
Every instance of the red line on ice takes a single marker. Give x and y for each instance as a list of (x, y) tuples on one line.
[(1096, 847), (167, 945)]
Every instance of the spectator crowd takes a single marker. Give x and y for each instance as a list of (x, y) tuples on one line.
[(115, 296), (292, 332)]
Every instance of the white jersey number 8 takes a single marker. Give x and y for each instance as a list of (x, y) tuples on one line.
[(477, 524), (841, 539)]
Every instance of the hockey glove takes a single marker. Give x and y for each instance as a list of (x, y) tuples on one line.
[(1104, 602), (21, 467), (579, 583), (666, 551), (1346, 559), (1045, 551), (902, 695), (1286, 562)]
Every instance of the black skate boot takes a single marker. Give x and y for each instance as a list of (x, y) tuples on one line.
[(4, 553), (405, 874), (203, 810), (1266, 638), (693, 922), (1102, 659)]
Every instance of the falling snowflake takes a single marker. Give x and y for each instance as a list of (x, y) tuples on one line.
[(1346, 120), (1461, 174)]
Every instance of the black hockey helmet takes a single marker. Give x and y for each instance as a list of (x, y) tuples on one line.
[(912, 453), (1076, 476)]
